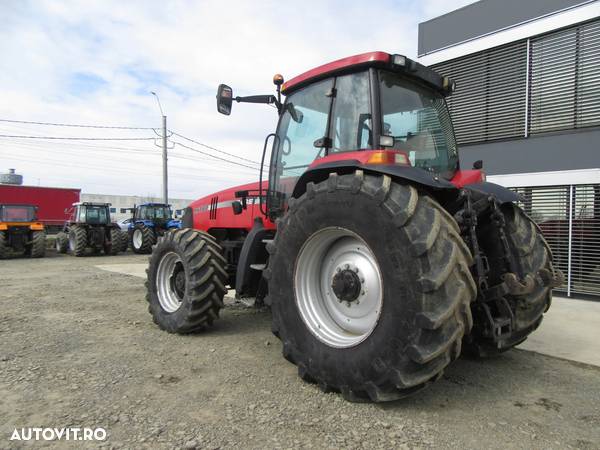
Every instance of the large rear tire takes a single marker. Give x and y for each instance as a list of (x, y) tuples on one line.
[(186, 281), (77, 240), (61, 242), (3, 245), (124, 241), (38, 244), (392, 261), (115, 242), (142, 239), (533, 257)]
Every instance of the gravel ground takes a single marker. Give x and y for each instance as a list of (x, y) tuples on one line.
[(78, 348)]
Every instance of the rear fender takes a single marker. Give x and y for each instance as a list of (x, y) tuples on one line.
[(413, 175), (174, 224), (502, 194), (438, 187), (146, 223)]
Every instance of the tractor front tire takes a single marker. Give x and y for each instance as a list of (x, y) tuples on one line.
[(369, 286), (3, 245), (533, 256), (142, 239), (38, 244), (186, 281), (77, 240), (61, 242)]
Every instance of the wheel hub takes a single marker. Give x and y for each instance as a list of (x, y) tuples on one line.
[(170, 282), (346, 285), (178, 280), (338, 287)]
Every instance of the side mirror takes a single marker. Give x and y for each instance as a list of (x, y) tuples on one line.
[(478, 165), (224, 99), (237, 207)]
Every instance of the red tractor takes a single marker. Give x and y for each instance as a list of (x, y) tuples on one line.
[(380, 258)]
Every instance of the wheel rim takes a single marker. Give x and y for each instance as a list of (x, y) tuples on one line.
[(57, 244), (170, 282), (338, 287), (138, 238), (72, 242)]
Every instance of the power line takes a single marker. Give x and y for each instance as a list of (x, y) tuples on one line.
[(216, 157), (70, 138), (75, 125), (212, 148)]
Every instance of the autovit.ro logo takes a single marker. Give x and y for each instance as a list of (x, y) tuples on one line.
[(59, 434)]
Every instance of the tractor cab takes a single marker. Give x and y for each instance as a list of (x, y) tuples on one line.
[(152, 212), (91, 213), (373, 109)]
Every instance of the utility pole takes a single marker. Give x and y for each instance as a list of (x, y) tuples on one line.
[(165, 177), (165, 185)]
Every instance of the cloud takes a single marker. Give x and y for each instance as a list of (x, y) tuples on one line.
[(96, 61)]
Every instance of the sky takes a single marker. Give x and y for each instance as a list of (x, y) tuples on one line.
[(95, 63)]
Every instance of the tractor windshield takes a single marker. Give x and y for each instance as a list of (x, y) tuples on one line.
[(17, 213), (419, 122), (154, 213), (94, 214)]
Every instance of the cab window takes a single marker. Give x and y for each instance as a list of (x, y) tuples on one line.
[(303, 123), (351, 117)]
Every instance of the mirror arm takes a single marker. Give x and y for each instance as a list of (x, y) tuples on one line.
[(267, 99)]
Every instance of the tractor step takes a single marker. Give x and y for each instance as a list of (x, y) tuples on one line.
[(260, 267)]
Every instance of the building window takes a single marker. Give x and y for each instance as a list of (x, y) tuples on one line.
[(495, 100), (565, 92), (123, 210), (490, 98), (113, 210)]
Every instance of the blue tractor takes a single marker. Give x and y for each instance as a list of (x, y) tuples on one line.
[(149, 221)]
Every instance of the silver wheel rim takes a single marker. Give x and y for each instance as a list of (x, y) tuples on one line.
[(72, 243), (57, 245), (138, 238), (337, 323), (169, 286)]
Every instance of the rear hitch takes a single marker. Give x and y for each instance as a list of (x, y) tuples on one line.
[(517, 287), (550, 279)]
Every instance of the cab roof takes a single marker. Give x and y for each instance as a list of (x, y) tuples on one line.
[(153, 204), (396, 63), (91, 204)]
